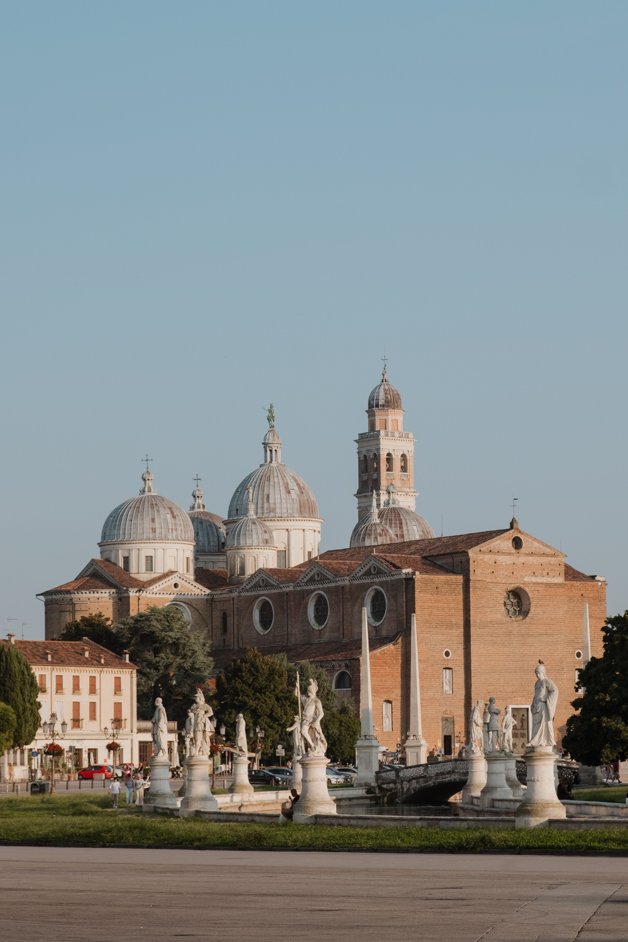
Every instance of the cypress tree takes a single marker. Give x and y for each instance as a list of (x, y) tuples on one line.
[(18, 688)]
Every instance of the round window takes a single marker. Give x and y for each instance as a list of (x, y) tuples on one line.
[(447, 653), (578, 655), (517, 603), (318, 610), (263, 616), (517, 543), (376, 606)]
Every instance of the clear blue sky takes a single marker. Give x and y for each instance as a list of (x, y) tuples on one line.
[(206, 207)]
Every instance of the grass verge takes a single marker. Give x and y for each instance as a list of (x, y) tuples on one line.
[(89, 821), (615, 793)]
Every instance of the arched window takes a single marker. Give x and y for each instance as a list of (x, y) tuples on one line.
[(225, 623), (387, 716), (365, 465), (404, 464), (374, 462), (389, 462), (342, 681)]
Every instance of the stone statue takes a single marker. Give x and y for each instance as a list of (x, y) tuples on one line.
[(160, 729), (202, 726), (270, 416), (240, 741), (476, 729), (188, 734), (491, 722), (297, 743), (314, 742), (508, 724), (543, 708)]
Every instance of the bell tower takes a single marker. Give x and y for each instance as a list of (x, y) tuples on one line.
[(385, 451)]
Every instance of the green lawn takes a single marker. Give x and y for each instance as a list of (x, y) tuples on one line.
[(89, 821), (614, 793)]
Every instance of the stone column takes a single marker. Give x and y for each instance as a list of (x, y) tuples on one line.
[(241, 784), (540, 803), (198, 793), (512, 781), (314, 798), (367, 746), (476, 778), (415, 747), (496, 785), (160, 795)]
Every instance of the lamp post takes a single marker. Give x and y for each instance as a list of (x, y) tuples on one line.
[(259, 745), (116, 725), (53, 734)]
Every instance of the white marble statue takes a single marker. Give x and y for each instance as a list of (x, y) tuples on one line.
[(476, 729), (491, 722), (508, 724), (203, 725), (543, 708), (297, 742), (160, 729), (188, 734), (314, 742), (240, 741)]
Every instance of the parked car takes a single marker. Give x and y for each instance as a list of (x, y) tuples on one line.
[(334, 777), (281, 771), (264, 777), (348, 772), (91, 770)]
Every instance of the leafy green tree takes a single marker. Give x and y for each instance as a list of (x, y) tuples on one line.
[(172, 660), (257, 686), (18, 689), (598, 733), (97, 628), (8, 723)]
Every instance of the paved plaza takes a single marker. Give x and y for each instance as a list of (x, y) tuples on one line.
[(89, 895)]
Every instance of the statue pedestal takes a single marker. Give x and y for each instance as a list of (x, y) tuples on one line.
[(415, 748), (367, 752), (476, 778), (314, 798), (297, 774), (540, 803), (198, 793), (496, 785), (512, 781), (241, 784), (160, 795)]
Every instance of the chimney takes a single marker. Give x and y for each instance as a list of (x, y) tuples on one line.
[(85, 652), (125, 655), (11, 637), (48, 655)]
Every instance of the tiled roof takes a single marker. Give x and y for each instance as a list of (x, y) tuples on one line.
[(574, 575), (70, 654), (436, 546), (211, 578), (321, 651)]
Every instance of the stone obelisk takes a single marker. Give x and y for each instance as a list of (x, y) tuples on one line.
[(367, 746), (415, 746)]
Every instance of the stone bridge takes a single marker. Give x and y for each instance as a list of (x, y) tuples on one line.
[(435, 782)]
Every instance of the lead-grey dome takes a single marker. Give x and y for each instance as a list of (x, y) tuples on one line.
[(385, 395), (249, 530), (276, 491), (209, 532), (147, 517), (404, 523), (370, 531)]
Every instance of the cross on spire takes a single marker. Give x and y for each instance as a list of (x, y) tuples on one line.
[(197, 480), (385, 362), (147, 460), (514, 505)]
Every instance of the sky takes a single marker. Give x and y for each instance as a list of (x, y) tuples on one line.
[(208, 207)]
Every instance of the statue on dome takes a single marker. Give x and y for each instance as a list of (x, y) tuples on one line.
[(270, 416)]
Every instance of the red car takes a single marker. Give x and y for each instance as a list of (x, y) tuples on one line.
[(91, 770)]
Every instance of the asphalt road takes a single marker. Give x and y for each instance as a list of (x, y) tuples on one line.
[(89, 895)]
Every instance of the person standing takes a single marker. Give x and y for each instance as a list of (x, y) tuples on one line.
[(138, 788), (114, 788)]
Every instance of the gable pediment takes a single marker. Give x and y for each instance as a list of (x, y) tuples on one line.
[(259, 580), (515, 543), (316, 574), (373, 567), (175, 584)]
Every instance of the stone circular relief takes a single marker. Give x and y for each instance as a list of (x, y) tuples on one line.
[(517, 603)]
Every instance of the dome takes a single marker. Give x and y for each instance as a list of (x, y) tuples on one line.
[(385, 396), (370, 531), (209, 532), (147, 517), (249, 531), (276, 491), (404, 523)]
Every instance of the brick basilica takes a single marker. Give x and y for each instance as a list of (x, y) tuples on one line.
[(487, 605)]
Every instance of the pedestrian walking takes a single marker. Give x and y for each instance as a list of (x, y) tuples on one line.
[(130, 789), (114, 788)]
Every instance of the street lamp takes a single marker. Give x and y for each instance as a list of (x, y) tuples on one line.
[(116, 726), (259, 745), (52, 733)]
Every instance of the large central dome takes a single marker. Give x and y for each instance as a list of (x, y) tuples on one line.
[(276, 491), (147, 517)]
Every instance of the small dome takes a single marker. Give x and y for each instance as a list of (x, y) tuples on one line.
[(209, 532), (370, 531), (147, 517), (249, 531), (404, 523), (385, 396), (276, 490)]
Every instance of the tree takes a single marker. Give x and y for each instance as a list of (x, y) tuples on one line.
[(257, 685), (598, 733), (18, 689), (8, 723), (97, 628), (172, 660)]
